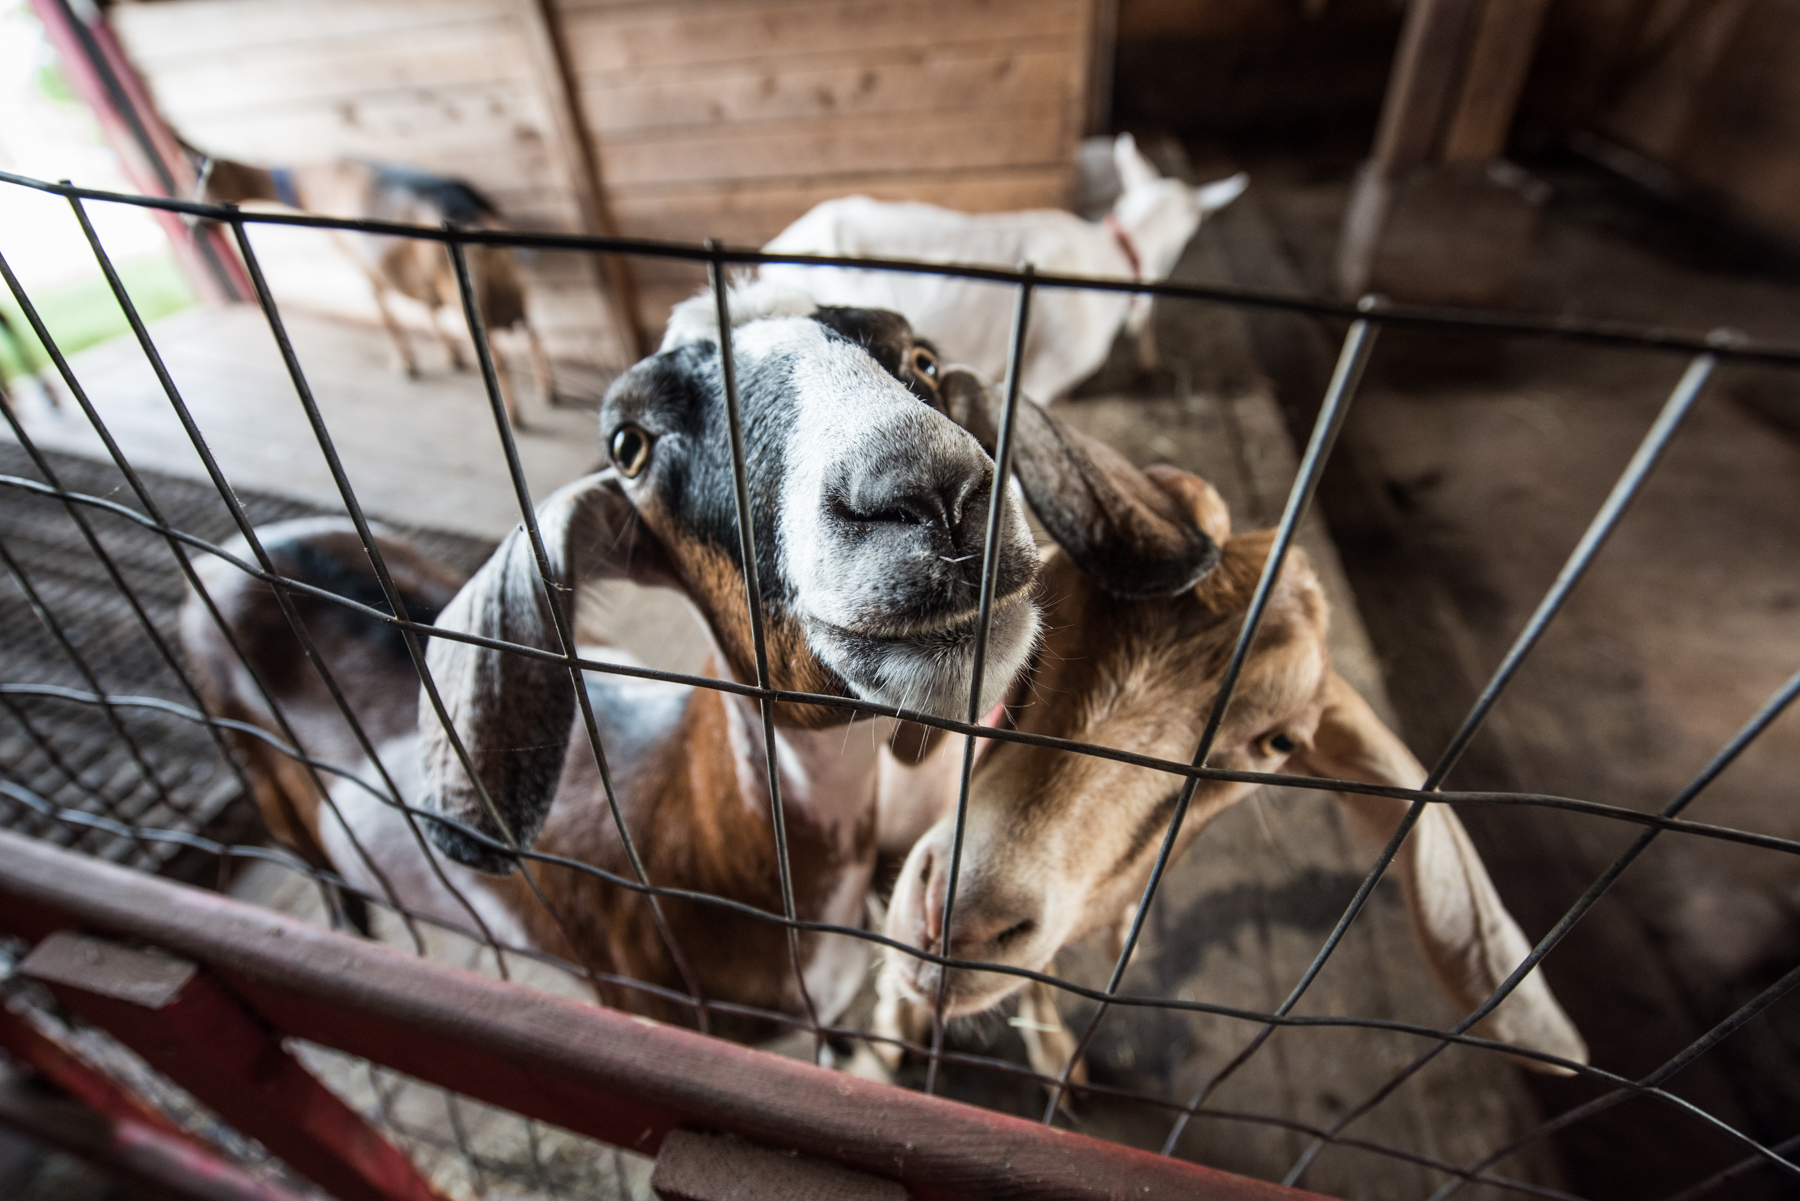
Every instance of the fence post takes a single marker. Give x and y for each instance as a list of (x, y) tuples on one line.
[(200, 1036)]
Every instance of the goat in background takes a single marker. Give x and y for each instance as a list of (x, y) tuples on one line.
[(970, 321), (419, 269)]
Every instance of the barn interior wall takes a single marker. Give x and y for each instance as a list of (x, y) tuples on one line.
[(710, 118)]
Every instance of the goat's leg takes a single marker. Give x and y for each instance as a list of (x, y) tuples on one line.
[(453, 350), (541, 377), (403, 354), (1149, 359), (896, 1017), (1048, 1043), (509, 387)]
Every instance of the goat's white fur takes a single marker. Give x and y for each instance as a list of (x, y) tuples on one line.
[(696, 319), (970, 321)]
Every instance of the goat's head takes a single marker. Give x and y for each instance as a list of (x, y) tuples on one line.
[(1159, 213), (869, 509), (1058, 845)]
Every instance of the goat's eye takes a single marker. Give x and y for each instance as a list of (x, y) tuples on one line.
[(630, 450), (1279, 744), (924, 363)]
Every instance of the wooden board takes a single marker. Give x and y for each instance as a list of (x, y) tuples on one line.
[(709, 118)]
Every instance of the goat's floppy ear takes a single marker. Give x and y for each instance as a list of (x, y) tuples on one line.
[(1134, 169), (1129, 535), (1468, 937), (513, 713)]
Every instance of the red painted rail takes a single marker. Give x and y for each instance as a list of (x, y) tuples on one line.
[(624, 1080)]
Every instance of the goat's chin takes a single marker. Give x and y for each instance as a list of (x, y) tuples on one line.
[(968, 993), (930, 671)]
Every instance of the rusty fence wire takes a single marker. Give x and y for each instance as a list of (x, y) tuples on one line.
[(149, 778)]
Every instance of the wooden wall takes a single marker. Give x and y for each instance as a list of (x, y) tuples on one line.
[(723, 118), (445, 85), (1708, 88)]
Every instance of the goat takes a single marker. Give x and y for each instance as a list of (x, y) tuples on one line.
[(868, 544), (970, 321), (1060, 845), (416, 268)]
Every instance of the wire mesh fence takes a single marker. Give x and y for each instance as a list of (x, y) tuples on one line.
[(111, 744)]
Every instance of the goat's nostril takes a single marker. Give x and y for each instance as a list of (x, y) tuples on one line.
[(1015, 932)]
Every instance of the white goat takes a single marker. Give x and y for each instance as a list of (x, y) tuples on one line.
[(970, 322)]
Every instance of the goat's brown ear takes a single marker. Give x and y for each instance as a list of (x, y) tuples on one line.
[(1462, 925), (513, 712), (1133, 538)]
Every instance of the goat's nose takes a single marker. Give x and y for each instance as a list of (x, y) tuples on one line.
[(980, 931), (978, 925), (931, 900), (898, 488)]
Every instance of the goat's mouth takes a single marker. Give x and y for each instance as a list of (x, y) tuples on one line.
[(967, 992), (928, 666)]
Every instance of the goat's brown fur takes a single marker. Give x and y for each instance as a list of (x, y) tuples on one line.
[(419, 269)]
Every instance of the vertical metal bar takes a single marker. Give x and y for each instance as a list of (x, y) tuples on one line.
[(984, 614), (1353, 357), (734, 420), (396, 603), (1631, 480), (565, 635), (236, 509)]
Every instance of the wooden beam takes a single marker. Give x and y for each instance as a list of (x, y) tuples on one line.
[(194, 1032), (146, 1158), (716, 1167), (550, 60), (1427, 72), (613, 1076), (1499, 60)]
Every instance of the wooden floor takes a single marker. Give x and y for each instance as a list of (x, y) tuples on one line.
[(419, 452)]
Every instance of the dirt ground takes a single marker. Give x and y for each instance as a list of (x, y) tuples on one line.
[(1466, 473)]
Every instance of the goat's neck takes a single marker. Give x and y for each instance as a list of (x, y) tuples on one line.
[(827, 777)]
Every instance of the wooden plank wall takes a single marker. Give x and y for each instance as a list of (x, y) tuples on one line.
[(731, 118), (1708, 88), (445, 85), (722, 118)]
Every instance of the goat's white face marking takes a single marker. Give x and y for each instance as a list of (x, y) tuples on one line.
[(870, 507), (850, 415)]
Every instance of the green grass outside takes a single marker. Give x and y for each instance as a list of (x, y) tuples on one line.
[(80, 314)]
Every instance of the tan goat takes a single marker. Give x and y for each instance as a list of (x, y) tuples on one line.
[(1060, 845), (419, 269)]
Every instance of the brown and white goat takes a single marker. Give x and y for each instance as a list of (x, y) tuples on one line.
[(870, 514), (1060, 845), (417, 268)]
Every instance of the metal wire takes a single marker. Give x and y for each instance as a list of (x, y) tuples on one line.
[(1359, 343), (114, 819), (990, 575), (753, 599)]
